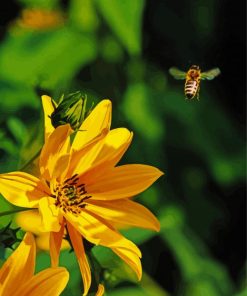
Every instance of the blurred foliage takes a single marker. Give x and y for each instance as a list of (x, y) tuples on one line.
[(98, 49)]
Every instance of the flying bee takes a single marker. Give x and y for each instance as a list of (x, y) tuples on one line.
[(193, 78)]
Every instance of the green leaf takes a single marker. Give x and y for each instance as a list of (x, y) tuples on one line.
[(242, 293), (82, 15), (145, 121), (16, 95), (9, 146), (115, 269), (5, 206), (45, 58), (125, 20), (135, 291), (17, 129), (69, 261), (14, 211), (138, 236), (45, 4), (205, 129), (202, 274)]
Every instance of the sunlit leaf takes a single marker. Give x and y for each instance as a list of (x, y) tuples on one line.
[(82, 14), (125, 20), (45, 58)]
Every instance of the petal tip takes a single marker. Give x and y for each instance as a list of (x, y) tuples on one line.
[(106, 102), (43, 97)]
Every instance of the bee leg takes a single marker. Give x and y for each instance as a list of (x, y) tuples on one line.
[(197, 95)]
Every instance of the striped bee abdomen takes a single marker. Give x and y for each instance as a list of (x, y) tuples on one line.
[(190, 88)]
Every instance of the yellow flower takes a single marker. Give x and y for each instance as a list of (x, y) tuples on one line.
[(17, 274), (40, 19), (81, 188), (101, 290), (31, 221)]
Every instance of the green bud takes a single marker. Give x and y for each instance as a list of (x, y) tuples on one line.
[(70, 109), (8, 236)]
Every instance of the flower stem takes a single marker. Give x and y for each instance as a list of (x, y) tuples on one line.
[(30, 161), (14, 211), (151, 287)]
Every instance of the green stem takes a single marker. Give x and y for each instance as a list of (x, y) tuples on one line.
[(14, 211), (151, 287), (30, 160)]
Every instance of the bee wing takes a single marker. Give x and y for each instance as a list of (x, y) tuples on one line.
[(209, 75), (176, 73)]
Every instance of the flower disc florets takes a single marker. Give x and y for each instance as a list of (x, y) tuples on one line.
[(71, 195)]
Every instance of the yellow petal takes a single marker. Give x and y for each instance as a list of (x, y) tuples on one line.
[(101, 290), (43, 242), (124, 211), (61, 167), (48, 110), (108, 155), (19, 267), (99, 232), (100, 155), (131, 259), (55, 147), (83, 159), (49, 216), (22, 189), (123, 181), (116, 143), (77, 244), (29, 221), (49, 282), (98, 120), (55, 245)]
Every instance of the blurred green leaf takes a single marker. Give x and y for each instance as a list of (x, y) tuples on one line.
[(2, 255), (201, 273), (15, 95), (138, 236), (69, 261), (47, 4), (115, 269), (125, 20), (139, 110), (150, 287), (17, 129), (242, 293), (205, 129), (9, 146), (45, 58), (131, 291), (5, 206), (111, 50), (82, 15)]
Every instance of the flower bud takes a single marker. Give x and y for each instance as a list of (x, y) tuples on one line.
[(70, 109)]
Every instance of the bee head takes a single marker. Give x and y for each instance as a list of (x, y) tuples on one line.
[(195, 67)]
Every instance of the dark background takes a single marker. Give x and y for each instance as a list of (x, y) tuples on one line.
[(172, 39)]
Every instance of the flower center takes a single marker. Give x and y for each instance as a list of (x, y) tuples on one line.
[(71, 196)]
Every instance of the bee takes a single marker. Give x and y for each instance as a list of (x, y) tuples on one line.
[(193, 78)]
